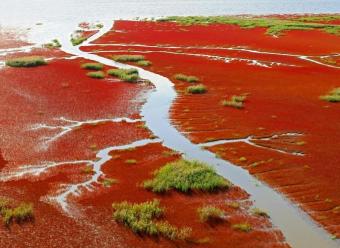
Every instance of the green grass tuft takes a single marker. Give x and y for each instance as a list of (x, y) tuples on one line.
[(30, 61), (332, 96), (96, 74), (126, 75), (143, 218), (196, 89), (77, 40), (53, 44), (92, 66), (243, 227), (185, 176), (128, 58), (19, 214), (210, 214), (259, 212), (185, 78), (144, 63), (108, 182), (235, 102), (131, 161)]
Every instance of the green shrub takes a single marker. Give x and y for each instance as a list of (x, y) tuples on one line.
[(235, 101), (333, 96), (22, 213), (184, 176), (144, 63), (107, 182), (259, 212), (128, 58), (190, 79), (92, 66), (196, 89), (96, 74), (126, 75), (142, 219), (30, 61), (53, 44), (131, 161), (243, 227), (77, 40), (210, 214)]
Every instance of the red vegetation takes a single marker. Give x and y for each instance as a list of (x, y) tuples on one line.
[(280, 99)]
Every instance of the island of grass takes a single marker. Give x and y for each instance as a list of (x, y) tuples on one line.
[(274, 26), (185, 176), (332, 96), (126, 75), (185, 78), (196, 89), (144, 219), (22, 213), (53, 44), (29, 61), (92, 66), (96, 74), (128, 58), (235, 102), (77, 40), (211, 214)]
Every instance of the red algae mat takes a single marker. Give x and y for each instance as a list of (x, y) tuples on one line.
[(293, 135), (55, 121)]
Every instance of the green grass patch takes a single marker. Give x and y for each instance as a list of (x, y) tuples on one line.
[(30, 61), (92, 66), (332, 96), (143, 218), (131, 161), (108, 182), (196, 89), (259, 212), (243, 227), (22, 213), (185, 176), (274, 26), (210, 214), (185, 78), (53, 44), (144, 63), (128, 58), (126, 75), (96, 74), (235, 102), (78, 40)]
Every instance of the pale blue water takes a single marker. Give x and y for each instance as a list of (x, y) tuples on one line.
[(32, 11)]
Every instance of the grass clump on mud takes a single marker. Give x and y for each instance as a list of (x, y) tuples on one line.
[(243, 227), (77, 40), (185, 176), (235, 102), (143, 219), (128, 58), (144, 63), (22, 213), (29, 61), (53, 44), (92, 66), (332, 96), (210, 214), (274, 26), (185, 78), (196, 89), (126, 75), (96, 74)]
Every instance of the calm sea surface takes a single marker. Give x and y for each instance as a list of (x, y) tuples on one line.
[(14, 12)]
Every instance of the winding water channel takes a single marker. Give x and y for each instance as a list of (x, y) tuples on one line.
[(298, 228)]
